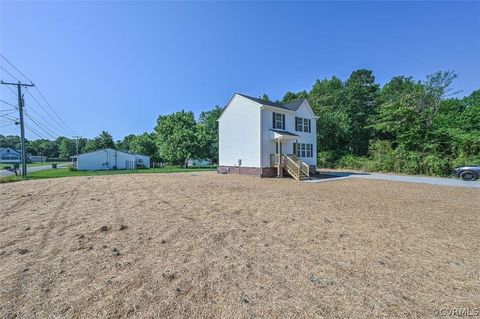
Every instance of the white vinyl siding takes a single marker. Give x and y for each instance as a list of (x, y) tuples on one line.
[(107, 159), (305, 112), (239, 133)]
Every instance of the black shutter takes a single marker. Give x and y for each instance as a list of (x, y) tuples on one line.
[(273, 120), (296, 128), (309, 126), (294, 148), (283, 121)]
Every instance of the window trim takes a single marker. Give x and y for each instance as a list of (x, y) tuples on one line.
[(303, 124), (303, 150), (276, 120), (298, 124)]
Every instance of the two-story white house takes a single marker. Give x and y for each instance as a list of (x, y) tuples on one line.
[(266, 139)]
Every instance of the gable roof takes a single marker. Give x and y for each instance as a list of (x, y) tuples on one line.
[(292, 106), (10, 150)]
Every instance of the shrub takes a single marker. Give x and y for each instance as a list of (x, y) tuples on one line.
[(435, 165), (382, 156), (355, 162), (327, 159), (72, 168)]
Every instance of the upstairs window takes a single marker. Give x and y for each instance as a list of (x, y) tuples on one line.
[(306, 125), (298, 124), (278, 121), (303, 125)]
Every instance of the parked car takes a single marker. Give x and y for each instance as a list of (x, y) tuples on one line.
[(467, 173)]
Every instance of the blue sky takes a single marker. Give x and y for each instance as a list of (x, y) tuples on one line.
[(116, 66)]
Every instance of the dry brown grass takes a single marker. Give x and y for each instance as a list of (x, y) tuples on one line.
[(208, 245)]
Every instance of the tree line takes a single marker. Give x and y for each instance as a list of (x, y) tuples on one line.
[(406, 126), (176, 138)]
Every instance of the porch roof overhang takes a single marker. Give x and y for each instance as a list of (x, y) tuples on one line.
[(284, 135)]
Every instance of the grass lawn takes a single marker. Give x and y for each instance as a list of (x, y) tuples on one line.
[(2, 165), (66, 172)]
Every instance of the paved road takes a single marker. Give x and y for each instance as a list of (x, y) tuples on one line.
[(333, 175), (4, 172)]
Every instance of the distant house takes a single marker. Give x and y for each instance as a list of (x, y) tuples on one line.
[(107, 159), (37, 158), (266, 139), (199, 162), (10, 155)]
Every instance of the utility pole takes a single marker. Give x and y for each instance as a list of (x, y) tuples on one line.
[(76, 141), (22, 125)]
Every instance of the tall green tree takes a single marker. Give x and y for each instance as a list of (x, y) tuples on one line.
[(326, 98), (12, 141), (145, 144), (176, 137), (399, 116), (290, 96), (126, 143), (207, 133), (264, 97), (360, 103), (104, 140), (66, 147)]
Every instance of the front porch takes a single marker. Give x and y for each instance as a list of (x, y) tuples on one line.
[(288, 162)]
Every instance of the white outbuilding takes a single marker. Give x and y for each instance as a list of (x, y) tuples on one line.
[(109, 158)]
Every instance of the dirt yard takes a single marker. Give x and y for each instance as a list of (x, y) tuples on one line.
[(208, 245)]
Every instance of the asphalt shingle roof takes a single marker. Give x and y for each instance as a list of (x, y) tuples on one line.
[(292, 106), (283, 132)]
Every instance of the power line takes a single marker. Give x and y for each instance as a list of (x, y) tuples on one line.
[(8, 118), (8, 112), (41, 106), (43, 97), (36, 133), (26, 77), (44, 119), (42, 127), (13, 92), (6, 71), (8, 103), (5, 125), (39, 92), (46, 111)]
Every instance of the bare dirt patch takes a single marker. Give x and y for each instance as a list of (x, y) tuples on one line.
[(208, 245)]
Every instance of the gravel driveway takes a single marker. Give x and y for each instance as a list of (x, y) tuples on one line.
[(335, 175)]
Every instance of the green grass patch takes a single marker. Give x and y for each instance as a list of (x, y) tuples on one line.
[(66, 172), (2, 165)]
